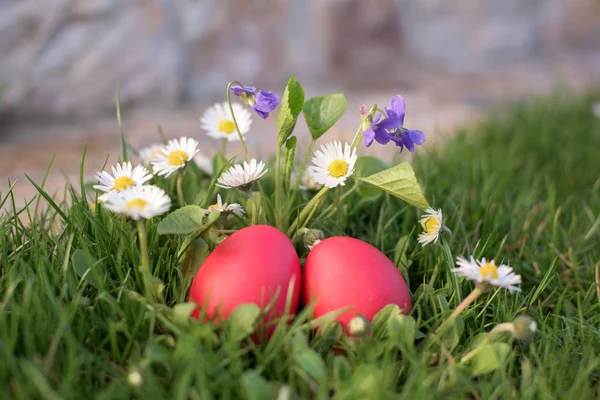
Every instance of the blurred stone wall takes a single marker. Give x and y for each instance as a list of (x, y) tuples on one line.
[(65, 58)]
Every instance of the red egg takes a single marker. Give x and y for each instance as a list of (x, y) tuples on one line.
[(252, 265), (345, 272)]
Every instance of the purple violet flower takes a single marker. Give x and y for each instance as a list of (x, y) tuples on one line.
[(263, 102), (401, 136), (373, 128)]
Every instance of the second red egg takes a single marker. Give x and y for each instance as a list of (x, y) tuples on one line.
[(345, 272)]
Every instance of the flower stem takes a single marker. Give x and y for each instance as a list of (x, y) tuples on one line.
[(332, 206), (304, 164), (278, 188), (224, 148), (450, 276), (254, 210), (237, 128), (306, 211), (356, 140), (145, 267), (179, 189), (460, 308), (338, 205), (503, 327)]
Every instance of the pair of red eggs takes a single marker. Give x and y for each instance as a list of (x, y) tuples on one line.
[(259, 262)]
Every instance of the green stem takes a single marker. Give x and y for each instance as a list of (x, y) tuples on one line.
[(179, 189), (306, 211), (237, 128), (356, 141), (223, 230), (460, 308), (304, 164), (254, 210), (332, 206), (278, 188), (308, 218), (450, 261), (338, 205), (503, 327), (145, 267), (224, 148)]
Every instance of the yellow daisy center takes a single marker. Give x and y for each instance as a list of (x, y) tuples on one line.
[(177, 158), (226, 126), (431, 225), (338, 168), (488, 270), (122, 183), (136, 203), (214, 207)]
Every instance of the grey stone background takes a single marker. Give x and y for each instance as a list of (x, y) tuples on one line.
[(65, 58), (61, 62)]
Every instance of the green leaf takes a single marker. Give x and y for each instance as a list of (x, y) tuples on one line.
[(322, 112), (379, 323), (156, 352), (341, 368), (288, 161), (402, 329), (399, 181), (400, 258), (192, 182), (257, 387), (85, 266), (182, 312), (491, 356), (242, 321), (365, 166), (311, 362), (186, 220), (192, 253), (452, 336), (210, 220), (289, 109)]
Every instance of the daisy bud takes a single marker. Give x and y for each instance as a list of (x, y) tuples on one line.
[(312, 237), (524, 327), (359, 326), (135, 379)]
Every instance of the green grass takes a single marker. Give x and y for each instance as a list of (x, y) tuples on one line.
[(523, 187)]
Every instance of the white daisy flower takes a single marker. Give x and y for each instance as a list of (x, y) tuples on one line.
[(123, 177), (149, 154), (204, 163), (174, 156), (487, 273), (432, 225), (139, 202), (218, 122), (333, 164), (308, 183), (241, 177), (234, 208)]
